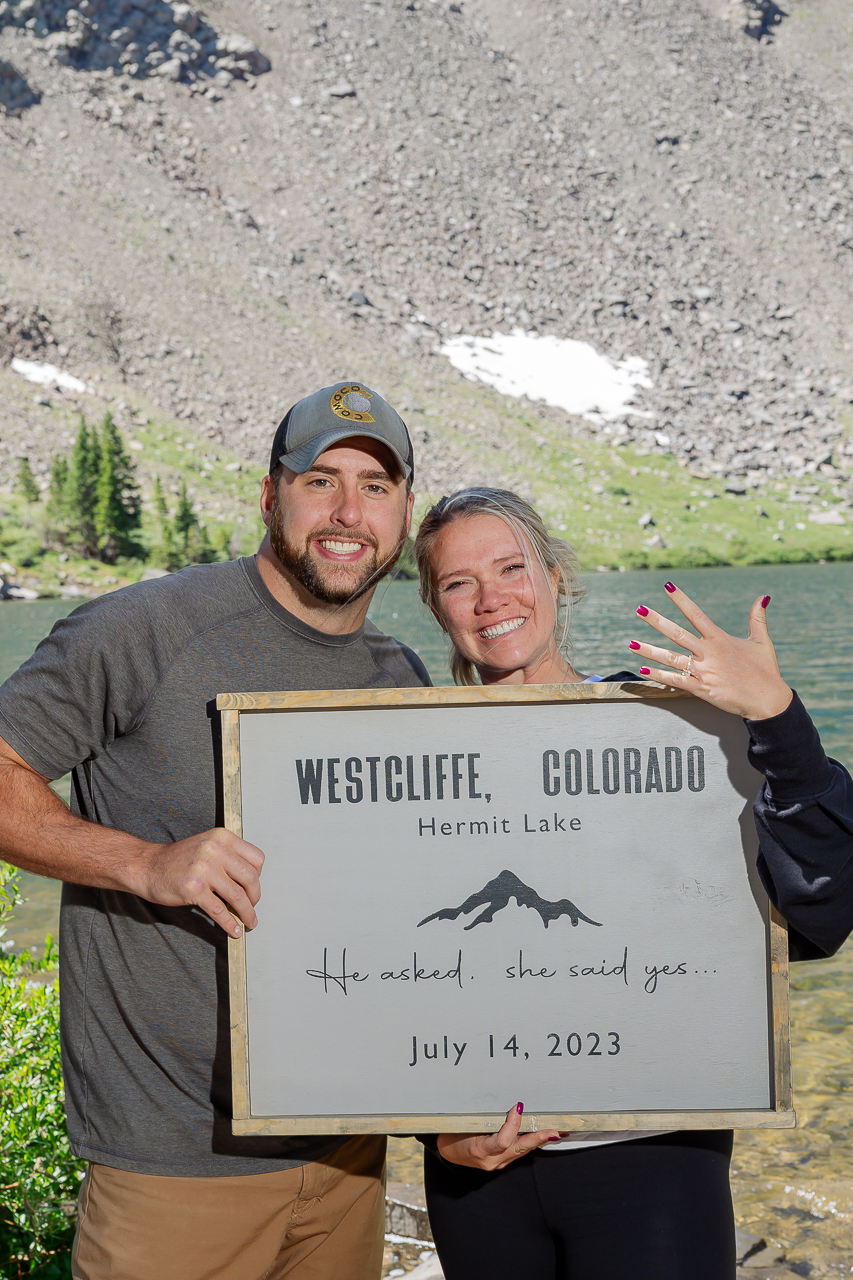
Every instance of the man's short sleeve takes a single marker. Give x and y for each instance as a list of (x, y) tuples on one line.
[(88, 682)]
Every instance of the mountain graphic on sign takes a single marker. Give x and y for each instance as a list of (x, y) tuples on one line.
[(495, 895)]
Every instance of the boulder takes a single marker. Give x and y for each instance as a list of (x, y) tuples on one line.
[(185, 17), (833, 516), (244, 51), (406, 1213), (171, 69)]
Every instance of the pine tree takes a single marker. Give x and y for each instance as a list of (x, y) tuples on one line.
[(190, 535), (162, 511), (185, 517), (164, 555), (25, 481), (117, 515), (81, 487), (59, 483), (58, 519)]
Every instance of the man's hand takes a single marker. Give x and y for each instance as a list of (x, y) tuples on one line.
[(216, 871), (492, 1151)]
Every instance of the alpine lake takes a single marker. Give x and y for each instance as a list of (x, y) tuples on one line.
[(794, 1188)]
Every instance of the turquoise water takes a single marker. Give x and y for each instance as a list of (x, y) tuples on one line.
[(22, 625)]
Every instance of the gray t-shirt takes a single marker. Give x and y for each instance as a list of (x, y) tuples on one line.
[(121, 693)]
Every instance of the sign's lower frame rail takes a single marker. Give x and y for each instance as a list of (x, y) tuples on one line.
[(490, 1122)]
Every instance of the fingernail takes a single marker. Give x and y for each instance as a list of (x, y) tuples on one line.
[(642, 611), (765, 602), (519, 1106), (669, 586), (644, 671), (555, 1139), (238, 932), (633, 645)]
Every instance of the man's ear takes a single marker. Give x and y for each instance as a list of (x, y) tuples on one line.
[(268, 499), (410, 503)]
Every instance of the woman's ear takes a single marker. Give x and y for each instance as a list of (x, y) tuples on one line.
[(438, 618)]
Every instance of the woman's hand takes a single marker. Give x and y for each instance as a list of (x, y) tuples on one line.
[(740, 676), (492, 1151)]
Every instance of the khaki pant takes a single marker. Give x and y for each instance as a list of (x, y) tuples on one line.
[(323, 1221)]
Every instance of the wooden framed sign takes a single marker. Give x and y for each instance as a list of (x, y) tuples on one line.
[(474, 896)]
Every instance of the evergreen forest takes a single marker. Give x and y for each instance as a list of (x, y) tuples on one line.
[(94, 510)]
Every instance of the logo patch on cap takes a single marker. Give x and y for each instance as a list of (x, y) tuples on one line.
[(352, 402)]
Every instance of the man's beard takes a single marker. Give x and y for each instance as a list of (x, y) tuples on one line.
[(317, 577)]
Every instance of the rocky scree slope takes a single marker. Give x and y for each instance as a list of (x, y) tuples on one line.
[(645, 176)]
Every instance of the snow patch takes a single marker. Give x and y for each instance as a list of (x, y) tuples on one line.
[(47, 375), (563, 372)]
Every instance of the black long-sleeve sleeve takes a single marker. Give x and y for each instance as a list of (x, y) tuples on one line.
[(804, 817)]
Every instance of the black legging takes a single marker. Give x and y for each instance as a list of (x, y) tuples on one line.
[(650, 1209)]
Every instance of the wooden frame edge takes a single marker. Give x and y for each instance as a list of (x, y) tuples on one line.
[(783, 1088), (263, 1126), (444, 695), (237, 985)]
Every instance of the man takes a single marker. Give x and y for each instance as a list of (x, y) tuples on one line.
[(121, 694)]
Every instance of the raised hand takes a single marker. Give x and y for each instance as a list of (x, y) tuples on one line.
[(492, 1151), (740, 676)]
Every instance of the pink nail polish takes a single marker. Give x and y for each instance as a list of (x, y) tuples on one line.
[(642, 611), (644, 671), (633, 645), (520, 1108), (554, 1139), (669, 586), (765, 602)]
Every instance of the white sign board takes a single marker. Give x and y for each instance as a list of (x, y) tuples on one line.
[(472, 896)]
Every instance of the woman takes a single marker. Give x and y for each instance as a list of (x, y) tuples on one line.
[(542, 1206)]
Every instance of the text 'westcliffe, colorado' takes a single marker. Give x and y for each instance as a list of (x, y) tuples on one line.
[(456, 775)]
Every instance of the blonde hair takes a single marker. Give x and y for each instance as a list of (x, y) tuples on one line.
[(553, 555)]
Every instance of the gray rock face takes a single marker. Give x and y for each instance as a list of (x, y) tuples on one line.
[(24, 332), (140, 38), (15, 94)]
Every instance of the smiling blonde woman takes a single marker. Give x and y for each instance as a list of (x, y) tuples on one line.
[(550, 1206), (502, 587)]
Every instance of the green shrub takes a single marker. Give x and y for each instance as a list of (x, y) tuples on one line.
[(39, 1177)]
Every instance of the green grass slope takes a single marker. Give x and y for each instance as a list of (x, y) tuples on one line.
[(618, 506)]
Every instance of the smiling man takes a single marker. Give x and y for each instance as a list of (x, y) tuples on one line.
[(120, 694), (316, 470)]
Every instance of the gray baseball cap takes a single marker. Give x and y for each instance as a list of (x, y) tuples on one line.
[(337, 413)]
